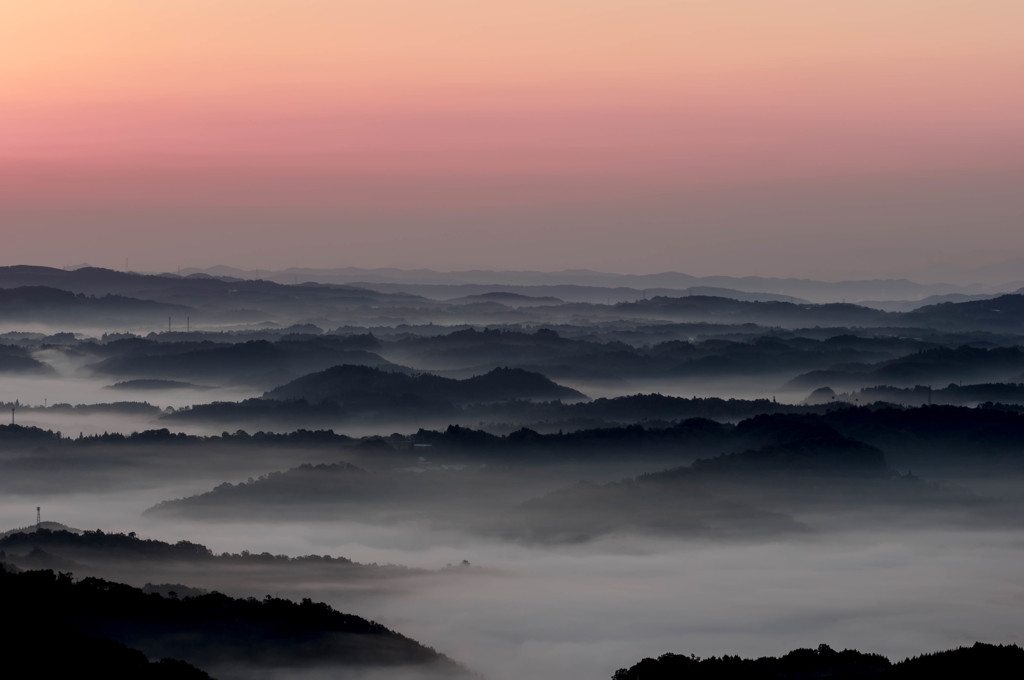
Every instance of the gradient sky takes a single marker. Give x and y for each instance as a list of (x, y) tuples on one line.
[(783, 137)]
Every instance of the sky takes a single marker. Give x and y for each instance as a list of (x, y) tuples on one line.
[(830, 139)]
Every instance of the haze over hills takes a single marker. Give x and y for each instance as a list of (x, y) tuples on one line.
[(766, 475), (145, 301), (935, 366), (257, 362), (478, 442)]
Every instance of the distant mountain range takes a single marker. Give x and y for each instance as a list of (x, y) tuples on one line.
[(31, 291), (97, 298), (807, 289), (569, 285)]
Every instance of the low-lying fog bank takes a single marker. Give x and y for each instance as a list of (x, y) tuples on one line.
[(584, 611)]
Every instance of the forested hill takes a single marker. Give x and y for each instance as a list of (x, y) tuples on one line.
[(964, 663), (348, 382), (214, 630)]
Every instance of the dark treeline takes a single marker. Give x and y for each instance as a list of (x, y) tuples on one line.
[(362, 384), (210, 630), (937, 365), (113, 545), (66, 652), (18, 360), (953, 394), (990, 429), (582, 353), (12, 434), (964, 663)]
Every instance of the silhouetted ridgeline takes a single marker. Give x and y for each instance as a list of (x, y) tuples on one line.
[(361, 383), (286, 415), (213, 631), (937, 366), (144, 299), (639, 351), (876, 288), (824, 452), (1000, 314), (755, 493), (351, 392), (155, 384), (947, 431), (786, 314), (258, 361), (116, 407), (514, 299), (42, 304), (14, 359), (212, 298), (143, 562), (348, 491), (19, 433), (953, 394), (839, 357), (964, 663), (119, 546), (802, 465), (505, 415)]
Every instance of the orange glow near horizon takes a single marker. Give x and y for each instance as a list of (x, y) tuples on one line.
[(434, 109)]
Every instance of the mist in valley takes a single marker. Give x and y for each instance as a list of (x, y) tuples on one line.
[(587, 610), (533, 488)]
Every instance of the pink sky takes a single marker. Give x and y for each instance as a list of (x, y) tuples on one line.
[(792, 137)]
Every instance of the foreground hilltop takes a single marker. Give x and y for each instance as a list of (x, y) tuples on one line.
[(41, 527)]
